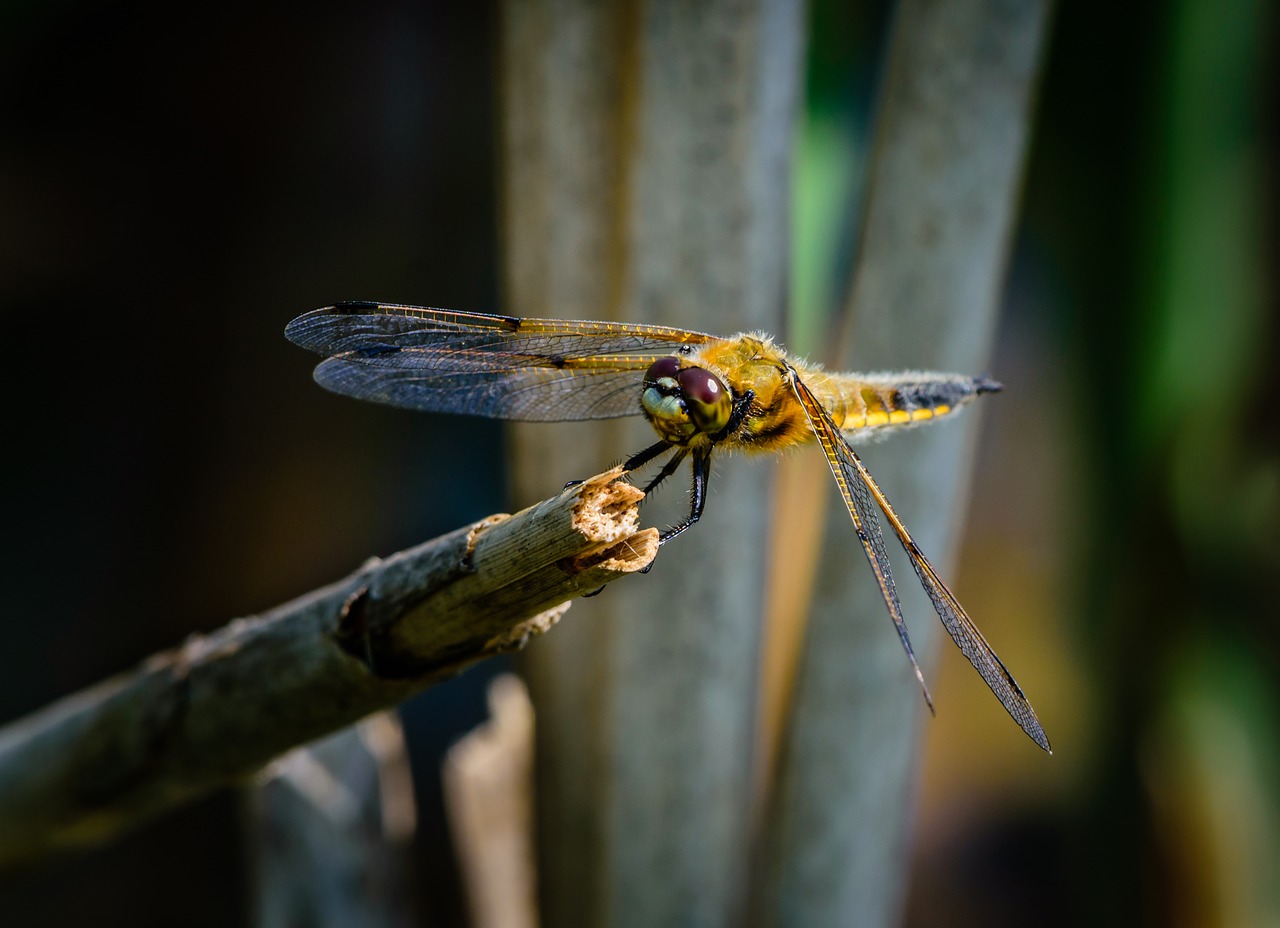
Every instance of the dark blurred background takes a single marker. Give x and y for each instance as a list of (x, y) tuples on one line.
[(176, 184)]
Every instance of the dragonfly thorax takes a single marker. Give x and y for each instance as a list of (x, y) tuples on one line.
[(683, 402)]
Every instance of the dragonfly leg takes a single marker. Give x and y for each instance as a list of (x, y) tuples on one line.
[(701, 474), (641, 458), (637, 460), (667, 469)]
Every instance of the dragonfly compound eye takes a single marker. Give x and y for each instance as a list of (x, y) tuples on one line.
[(706, 399), (663, 369), (663, 405), (681, 402)]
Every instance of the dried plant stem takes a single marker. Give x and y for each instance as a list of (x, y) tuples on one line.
[(218, 708)]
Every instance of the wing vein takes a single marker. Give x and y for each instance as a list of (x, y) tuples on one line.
[(858, 489)]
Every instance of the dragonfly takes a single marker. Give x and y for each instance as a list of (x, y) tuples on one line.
[(701, 393)]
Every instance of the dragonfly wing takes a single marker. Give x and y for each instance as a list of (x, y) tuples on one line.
[(958, 624), (358, 326), (858, 488), (524, 394), (857, 499), (499, 366)]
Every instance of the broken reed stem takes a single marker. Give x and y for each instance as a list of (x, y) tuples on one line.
[(216, 709)]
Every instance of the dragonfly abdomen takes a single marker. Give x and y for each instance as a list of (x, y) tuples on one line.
[(883, 401)]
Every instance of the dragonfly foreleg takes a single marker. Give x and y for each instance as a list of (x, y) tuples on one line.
[(701, 474), (641, 458), (667, 470)]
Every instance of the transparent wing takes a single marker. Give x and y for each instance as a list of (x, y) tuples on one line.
[(498, 366), (859, 489), (857, 500)]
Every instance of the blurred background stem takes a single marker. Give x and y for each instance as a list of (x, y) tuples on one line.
[(646, 153)]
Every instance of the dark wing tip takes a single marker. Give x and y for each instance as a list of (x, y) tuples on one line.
[(984, 383)]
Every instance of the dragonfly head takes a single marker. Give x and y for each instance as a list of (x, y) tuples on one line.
[(684, 402)]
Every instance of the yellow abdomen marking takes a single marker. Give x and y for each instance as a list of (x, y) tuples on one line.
[(887, 400)]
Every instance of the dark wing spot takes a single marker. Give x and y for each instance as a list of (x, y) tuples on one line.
[(355, 306), (375, 351)]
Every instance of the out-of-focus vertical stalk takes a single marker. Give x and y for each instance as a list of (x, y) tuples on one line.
[(645, 176), (560, 176), (950, 141), (331, 825)]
